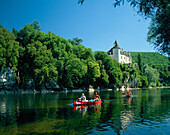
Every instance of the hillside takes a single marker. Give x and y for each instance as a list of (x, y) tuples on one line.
[(150, 58)]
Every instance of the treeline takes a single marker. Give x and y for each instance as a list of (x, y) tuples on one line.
[(43, 61), (150, 58)]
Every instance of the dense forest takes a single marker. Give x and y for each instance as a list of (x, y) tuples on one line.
[(150, 58), (31, 59), (157, 61)]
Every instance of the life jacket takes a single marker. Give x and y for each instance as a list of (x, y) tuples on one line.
[(97, 96), (83, 98), (129, 93)]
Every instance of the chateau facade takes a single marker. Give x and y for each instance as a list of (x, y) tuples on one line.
[(120, 55)]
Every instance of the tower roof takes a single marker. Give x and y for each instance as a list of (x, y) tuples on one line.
[(116, 45)]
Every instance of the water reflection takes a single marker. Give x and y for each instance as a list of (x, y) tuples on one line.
[(146, 112), (83, 108), (129, 99), (3, 108), (127, 115)]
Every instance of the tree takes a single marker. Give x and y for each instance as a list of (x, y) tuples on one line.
[(140, 62), (104, 78), (114, 72), (103, 81), (74, 72), (40, 65), (15, 32), (125, 76), (100, 55), (25, 35), (9, 49), (83, 53), (159, 13), (1, 26), (142, 81), (93, 72), (36, 25), (112, 68), (80, 51), (151, 74), (77, 40), (159, 30)]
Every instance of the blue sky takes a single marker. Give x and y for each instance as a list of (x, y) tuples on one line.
[(97, 22)]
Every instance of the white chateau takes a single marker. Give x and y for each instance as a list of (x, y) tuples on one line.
[(120, 55)]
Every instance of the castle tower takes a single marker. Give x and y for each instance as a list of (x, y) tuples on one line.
[(121, 56), (116, 45)]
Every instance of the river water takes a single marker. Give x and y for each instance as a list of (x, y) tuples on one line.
[(146, 113)]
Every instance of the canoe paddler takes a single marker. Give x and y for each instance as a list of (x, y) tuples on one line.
[(96, 97), (82, 98), (129, 93)]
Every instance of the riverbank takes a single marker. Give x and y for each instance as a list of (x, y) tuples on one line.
[(27, 91), (148, 88), (22, 91)]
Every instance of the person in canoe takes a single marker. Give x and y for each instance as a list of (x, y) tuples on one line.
[(129, 93), (96, 97), (82, 98)]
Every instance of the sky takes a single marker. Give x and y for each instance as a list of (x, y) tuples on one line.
[(97, 22)]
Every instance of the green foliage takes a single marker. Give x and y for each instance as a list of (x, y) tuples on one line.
[(48, 57), (152, 84), (159, 31), (1, 26), (140, 62), (15, 32), (150, 58), (164, 72), (151, 74), (39, 64), (103, 81), (104, 78), (154, 60), (77, 40), (26, 35), (142, 81), (9, 49), (158, 83), (93, 72), (165, 84), (158, 11), (83, 53), (112, 68), (36, 25), (40, 59), (74, 72), (125, 76)]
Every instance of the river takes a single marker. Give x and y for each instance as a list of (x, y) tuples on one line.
[(146, 113)]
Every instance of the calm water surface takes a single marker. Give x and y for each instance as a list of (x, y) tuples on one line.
[(146, 113)]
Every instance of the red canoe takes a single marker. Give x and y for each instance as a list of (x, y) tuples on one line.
[(90, 102)]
